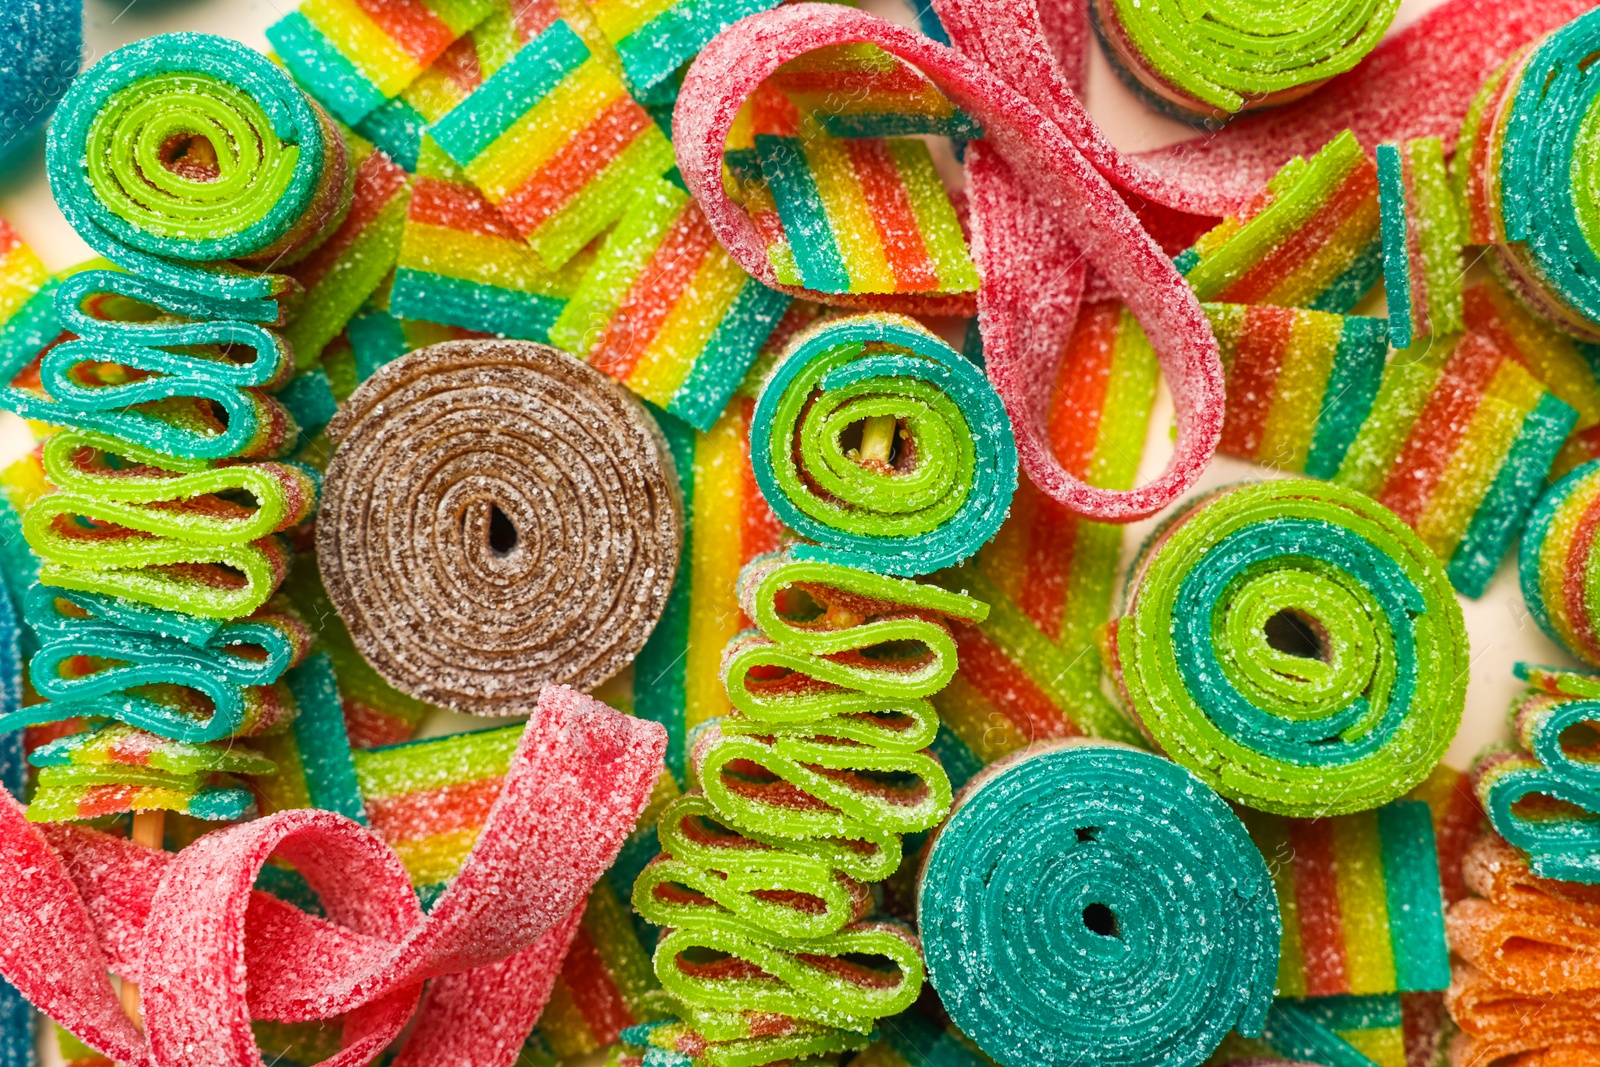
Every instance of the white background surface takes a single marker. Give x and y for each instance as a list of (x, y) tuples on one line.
[(1499, 625)]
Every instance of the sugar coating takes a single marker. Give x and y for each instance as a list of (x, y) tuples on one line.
[(1553, 561), (428, 449), (40, 42)]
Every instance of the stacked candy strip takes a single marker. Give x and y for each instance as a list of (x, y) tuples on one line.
[(1523, 167), (1296, 646), (653, 38), (543, 560), (1390, 1030), (1457, 445), (353, 55), (348, 267), (1544, 797), (1311, 238), (1422, 239), (808, 786), (463, 264), (1090, 903), (665, 311), (196, 163), (1300, 383), (1031, 671), (859, 90), (1213, 62), (885, 445), (1360, 900), (859, 215), (553, 138), (1526, 984), (1567, 367), (1554, 562)]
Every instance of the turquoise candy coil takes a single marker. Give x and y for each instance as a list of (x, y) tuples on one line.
[(1295, 646), (939, 486), (1092, 904)]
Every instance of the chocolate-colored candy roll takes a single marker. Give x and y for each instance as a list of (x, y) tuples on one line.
[(498, 516)]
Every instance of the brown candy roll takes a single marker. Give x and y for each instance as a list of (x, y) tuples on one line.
[(498, 516)]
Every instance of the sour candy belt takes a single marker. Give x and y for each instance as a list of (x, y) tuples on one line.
[(1294, 645), (1218, 62), (1092, 903), (1422, 239), (1542, 798), (932, 474), (82, 904), (497, 515), (1554, 566), (195, 162)]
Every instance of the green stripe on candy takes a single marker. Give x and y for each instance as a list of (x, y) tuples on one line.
[(1089, 903), (1396, 253), (920, 516), (1349, 730)]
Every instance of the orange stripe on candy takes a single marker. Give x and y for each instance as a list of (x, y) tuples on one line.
[(893, 216), (1436, 435), (459, 63), (1253, 378), (1252, 287), (409, 24), (457, 206), (1008, 688), (1316, 892), (556, 184), (1081, 385), (653, 294), (408, 816), (533, 17), (9, 238), (595, 994)]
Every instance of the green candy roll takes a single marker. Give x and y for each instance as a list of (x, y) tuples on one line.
[(197, 163), (1294, 645), (883, 445), (1092, 904)]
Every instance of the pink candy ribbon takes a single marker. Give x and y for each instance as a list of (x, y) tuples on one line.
[(210, 953), (1050, 197)]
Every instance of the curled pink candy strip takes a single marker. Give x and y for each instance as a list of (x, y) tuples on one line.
[(1085, 213), (210, 953)]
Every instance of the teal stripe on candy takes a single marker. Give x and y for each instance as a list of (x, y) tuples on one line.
[(958, 125), (960, 762), (376, 338), (733, 346), (1349, 1012), (1297, 1034), (309, 398), (1415, 899), (397, 128), (1533, 536), (473, 306), (1500, 516), (319, 734), (1347, 399), (1348, 289), (1396, 253), (323, 70), (1096, 905), (805, 221), (26, 333), (659, 47), (1186, 261), (516, 87)]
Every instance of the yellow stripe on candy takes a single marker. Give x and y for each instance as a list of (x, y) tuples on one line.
[(849, 216), (437, 857), (541, 132), (1385, 1047), (936, 216), (618, 18), (21, 275), (699, 310), (363, 42), (1363, 903), (488, 260), (605, 198), (716, 547), (1292, 419)]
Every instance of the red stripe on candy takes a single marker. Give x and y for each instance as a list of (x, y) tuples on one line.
[(595, 994), (559, 181), (658, 288), (409, 816), (1574, 579), (1358, 188), (457, 206), (892, 215), (1316, 891), (378, 180), (988, 670), (1253, 378), (410, 24)]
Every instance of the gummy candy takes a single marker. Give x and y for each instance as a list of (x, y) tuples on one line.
[(548, 542), (1360, 900), (932, 474), (1111, 893), (1211, 63), (1564, 365), (353, 55), (1031, 671), (1541, 797), (1553, 562), (1422, 239), (666, 312), (27, 302), (859, 90), (655, 37), (1295, 645)]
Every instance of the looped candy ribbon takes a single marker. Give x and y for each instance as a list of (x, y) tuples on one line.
[(210, 954), (1050, 196)]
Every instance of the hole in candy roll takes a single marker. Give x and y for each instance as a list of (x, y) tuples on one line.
[(502, 532), (1581, 741), (1293, 634), (1088, 833), (1099, 919), (191, 156)]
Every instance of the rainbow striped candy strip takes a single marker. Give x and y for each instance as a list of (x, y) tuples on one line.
[(345, 269), (554, 140), (1543, 796), (1030, 672), (859, 90), (1457, 445), (353, 55), (65, 794), (1299, 383), (1385, 1030), (1554, 562), (27, 302), (653, 38), (1310, 239), (463, 264), (866, 215), (314, 765), (1360, 900), (666, 311), (1569, 368), (1422, 241)]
